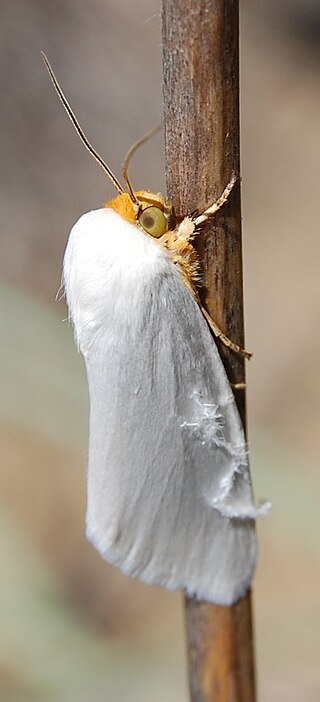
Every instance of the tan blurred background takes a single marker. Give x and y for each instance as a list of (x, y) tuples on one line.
[(72, 628)]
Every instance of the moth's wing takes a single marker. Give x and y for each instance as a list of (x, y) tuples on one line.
[(169, 493)]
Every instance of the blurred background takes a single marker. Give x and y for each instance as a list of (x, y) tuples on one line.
[(71, 627)]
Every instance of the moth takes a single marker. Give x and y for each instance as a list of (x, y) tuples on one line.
[(169, 496)]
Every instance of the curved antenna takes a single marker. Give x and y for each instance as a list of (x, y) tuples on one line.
[(77, 127), (128, 157)]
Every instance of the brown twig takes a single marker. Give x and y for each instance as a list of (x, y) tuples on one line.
[(201, 108)]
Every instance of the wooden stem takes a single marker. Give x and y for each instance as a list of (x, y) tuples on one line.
[(201, 111)]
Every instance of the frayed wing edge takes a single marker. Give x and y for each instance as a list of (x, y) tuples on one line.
[(245, 512)]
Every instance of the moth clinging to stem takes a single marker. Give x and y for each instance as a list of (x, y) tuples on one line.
[(169, 490)]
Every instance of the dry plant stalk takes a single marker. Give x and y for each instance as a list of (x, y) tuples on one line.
[(201, 108)]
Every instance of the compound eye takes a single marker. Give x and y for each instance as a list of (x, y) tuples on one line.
[(153, 221)]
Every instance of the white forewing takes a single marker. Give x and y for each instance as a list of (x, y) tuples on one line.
[(169, 492)]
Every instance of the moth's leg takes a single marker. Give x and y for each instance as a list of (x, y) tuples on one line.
[(216, 205), (179, 242), (220, 335)]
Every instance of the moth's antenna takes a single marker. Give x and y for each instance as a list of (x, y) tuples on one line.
[(77, 127), (128, 157)]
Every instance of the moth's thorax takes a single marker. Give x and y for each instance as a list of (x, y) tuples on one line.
[(108, 260), (175, 238)]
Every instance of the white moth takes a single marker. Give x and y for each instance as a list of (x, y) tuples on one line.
[(169, 491)]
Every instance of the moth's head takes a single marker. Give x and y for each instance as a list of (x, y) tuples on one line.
[(149, 211)]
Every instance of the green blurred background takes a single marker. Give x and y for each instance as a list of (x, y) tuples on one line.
[(71, 627)]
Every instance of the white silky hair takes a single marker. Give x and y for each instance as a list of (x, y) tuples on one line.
[(169, 491)]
